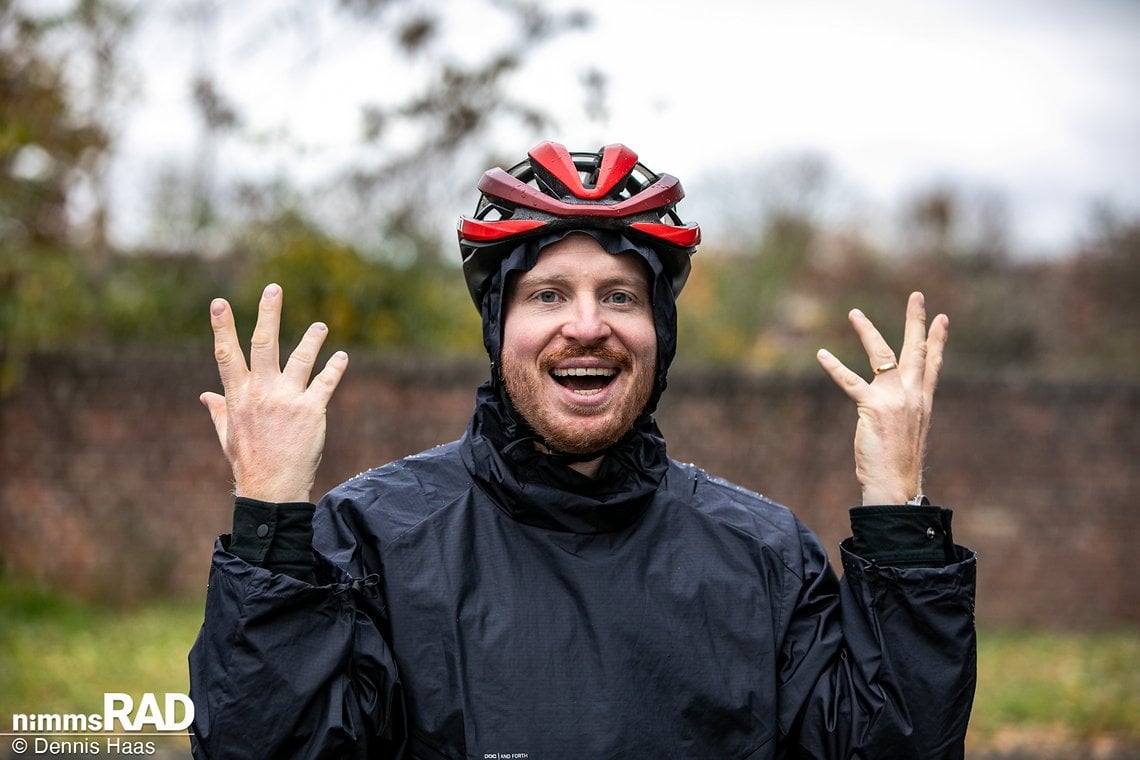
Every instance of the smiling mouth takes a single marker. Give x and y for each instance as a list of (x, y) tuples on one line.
[(584, 380)]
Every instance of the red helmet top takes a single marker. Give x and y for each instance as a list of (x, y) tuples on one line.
[(554, 190)]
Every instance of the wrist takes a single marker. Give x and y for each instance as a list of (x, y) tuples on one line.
[(273, 493), (893, 493), (877, 496)]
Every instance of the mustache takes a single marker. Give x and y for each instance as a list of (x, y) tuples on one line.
[(604, 353)]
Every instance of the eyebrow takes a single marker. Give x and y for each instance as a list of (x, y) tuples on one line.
[(530, 280)]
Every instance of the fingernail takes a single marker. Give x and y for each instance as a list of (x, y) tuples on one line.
[(217, 306), (857, 313), (271, 290)]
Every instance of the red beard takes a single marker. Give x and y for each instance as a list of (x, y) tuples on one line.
[(570, 429)]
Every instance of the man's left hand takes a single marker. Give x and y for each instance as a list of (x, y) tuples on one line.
[(894, 408)]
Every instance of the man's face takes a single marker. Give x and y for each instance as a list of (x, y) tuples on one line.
[(579, 345)]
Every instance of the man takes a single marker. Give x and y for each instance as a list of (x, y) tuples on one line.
[(552, 584)]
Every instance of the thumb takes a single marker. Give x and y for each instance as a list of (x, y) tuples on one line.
[(216, 405)]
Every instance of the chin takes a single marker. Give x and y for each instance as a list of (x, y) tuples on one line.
[(582, 441), (570, 429)]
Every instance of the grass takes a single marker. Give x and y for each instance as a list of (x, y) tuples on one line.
[(1076, 688), (58, 655)]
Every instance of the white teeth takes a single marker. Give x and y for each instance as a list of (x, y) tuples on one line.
[(584, 372)]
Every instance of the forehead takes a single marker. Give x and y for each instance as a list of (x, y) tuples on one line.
[(579, 258)]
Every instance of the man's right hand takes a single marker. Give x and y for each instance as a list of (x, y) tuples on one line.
[(271, 422)]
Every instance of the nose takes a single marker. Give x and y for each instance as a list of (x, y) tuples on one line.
[(586, 324)]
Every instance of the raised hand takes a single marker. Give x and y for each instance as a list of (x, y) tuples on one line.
[(271, 422), (894, 408)]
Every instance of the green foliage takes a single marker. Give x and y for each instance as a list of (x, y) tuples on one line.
[(46, 303), (379, 301), (771, 305), (47, 145), (732, 305), (51, 306), (774, 303), (159, 301), (382, 302), (769, 308), (44, 142)]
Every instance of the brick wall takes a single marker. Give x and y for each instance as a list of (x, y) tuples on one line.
[(113, 484)]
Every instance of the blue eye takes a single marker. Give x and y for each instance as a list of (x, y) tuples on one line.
[(621, 298), (547, 296)]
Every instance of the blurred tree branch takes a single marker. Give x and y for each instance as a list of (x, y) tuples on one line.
[(417, 142)]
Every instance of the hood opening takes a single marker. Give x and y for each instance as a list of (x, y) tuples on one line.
[(522, 258)]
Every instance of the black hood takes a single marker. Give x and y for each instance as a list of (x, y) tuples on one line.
[(499, 447)]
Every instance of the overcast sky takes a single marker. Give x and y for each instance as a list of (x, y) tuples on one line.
[(1038, 100)]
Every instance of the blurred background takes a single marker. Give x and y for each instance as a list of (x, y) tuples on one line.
[(157, 153)]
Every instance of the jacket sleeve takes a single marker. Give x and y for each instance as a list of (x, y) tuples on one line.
[(881, 664), (290, 669)]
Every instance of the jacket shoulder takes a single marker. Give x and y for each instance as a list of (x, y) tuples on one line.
[(403, 493), (722, 499), (733, 508)]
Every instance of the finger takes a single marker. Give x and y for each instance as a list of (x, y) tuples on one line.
[(912, 360), (227, 348), (264, 355), (301, 361), (877, 348), (216, 405), (851, 383), (328, 378), (935, 349)]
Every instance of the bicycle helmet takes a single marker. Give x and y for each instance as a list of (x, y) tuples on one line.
[(554, 190)]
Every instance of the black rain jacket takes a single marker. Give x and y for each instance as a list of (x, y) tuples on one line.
[(463, 611), (481, 600)]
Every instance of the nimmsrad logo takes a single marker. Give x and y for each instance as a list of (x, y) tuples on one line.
[(175, 712)]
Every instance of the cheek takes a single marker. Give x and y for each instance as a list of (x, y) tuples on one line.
[(642, 342), (520, 338), (520, 356)]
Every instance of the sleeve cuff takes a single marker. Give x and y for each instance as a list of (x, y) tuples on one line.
[(903, 535), (278, 537)]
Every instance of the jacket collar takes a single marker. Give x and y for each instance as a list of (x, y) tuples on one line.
[(538, 489)]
